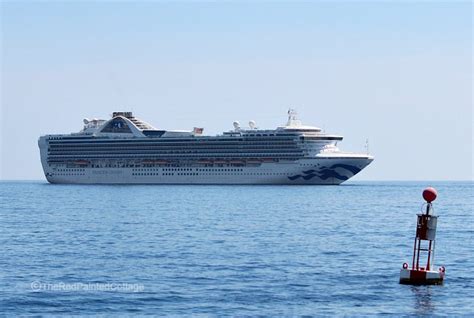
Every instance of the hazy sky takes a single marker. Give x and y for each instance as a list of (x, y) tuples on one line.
[(399, 74)]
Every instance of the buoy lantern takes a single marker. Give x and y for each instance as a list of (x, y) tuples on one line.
[(420, 274)]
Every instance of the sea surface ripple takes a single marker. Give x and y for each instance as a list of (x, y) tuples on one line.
[(229, 250)]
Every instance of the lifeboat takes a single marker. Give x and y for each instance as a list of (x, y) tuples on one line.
[(267, 160), (254, 161), (82, 162), (155, 162)]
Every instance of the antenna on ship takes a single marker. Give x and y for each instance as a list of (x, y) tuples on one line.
[(292, 118), (367, 145)]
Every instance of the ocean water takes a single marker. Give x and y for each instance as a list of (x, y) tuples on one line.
[(229, 250)]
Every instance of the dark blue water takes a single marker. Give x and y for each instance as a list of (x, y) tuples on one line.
[(229, 250)]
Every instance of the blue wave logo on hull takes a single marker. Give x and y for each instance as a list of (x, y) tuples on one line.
[(325, 173)]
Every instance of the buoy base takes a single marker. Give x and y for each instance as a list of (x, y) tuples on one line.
[(421, 277)]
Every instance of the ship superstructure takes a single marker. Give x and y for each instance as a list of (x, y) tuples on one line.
[(127, 150)]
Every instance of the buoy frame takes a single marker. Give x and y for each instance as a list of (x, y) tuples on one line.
[(420, 273)]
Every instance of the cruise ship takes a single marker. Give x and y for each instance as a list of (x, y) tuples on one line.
[(127, 150)]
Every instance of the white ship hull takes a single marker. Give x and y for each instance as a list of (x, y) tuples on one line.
[(318, 171)]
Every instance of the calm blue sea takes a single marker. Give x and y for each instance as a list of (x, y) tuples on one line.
[(229, 250)]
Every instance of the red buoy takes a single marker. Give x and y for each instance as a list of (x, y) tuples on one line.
[(430, 194), (423, 273)]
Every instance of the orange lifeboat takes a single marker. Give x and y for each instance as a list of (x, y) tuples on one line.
[(82, 162), (254, 161)]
